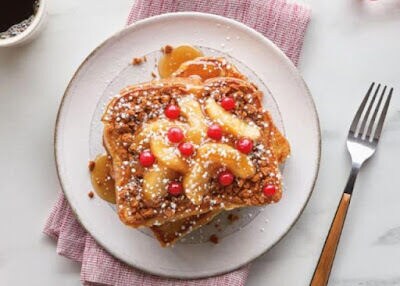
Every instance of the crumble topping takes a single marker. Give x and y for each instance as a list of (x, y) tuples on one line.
[(144, 104), (140, 106)]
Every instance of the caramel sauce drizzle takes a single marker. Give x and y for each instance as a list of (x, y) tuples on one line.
[(102, 181), (171, 61)]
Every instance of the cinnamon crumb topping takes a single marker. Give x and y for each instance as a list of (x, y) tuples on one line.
[(91, 165), (214, 239), (91, 194), (167, 49), (137, 61), (141, 105)]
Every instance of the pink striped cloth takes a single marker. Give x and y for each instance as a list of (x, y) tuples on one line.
[(283, 23)]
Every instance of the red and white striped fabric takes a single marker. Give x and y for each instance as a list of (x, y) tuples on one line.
[(283, 23)]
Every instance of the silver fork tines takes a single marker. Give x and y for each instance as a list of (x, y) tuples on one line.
[(366, 128), (362, 126)]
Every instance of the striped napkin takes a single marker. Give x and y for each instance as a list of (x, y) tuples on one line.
[(282, 22)]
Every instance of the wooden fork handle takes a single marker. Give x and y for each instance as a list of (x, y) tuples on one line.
[(321, 274)]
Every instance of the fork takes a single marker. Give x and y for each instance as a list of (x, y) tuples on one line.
[(362, 140)]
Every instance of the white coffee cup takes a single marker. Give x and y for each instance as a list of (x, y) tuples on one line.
[(31, 31)]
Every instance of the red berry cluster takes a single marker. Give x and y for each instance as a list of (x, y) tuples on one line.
[(176, 135)]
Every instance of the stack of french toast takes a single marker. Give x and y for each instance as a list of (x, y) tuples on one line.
[(187, 147)]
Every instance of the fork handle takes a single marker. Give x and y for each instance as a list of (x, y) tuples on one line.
[(324, 266)]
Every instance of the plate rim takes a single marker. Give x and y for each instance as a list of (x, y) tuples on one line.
[(248, 29)]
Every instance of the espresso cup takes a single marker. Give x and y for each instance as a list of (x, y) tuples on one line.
[(31, 31)]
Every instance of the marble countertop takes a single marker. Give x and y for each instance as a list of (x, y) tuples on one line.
[(349, 44)]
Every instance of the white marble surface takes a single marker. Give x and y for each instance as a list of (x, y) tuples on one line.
[(349, 44)]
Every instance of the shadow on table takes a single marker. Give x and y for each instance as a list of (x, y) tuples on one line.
[(377, 10)]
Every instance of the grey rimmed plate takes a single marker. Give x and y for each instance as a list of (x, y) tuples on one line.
[(107, 70)]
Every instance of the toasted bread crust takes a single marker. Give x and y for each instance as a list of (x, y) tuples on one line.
[(170, 232), (145, 102)]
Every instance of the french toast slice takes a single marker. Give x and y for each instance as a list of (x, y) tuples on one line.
[(170, 232), (206, 67), (123, 121)]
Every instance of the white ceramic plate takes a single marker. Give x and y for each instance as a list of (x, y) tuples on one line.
[(106, 70)]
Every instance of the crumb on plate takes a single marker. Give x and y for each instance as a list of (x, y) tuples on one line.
[(232, 218), (214, 238), (167, 49), (137, 61), (91, 165)]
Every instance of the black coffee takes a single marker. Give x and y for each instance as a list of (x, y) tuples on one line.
[(15, 12)]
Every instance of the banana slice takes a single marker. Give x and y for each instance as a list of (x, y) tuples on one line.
[(209, 157), (229, 122), (195, 182), (227, 156), (167, 155), (153, 128), (191, 109), (155, 181)]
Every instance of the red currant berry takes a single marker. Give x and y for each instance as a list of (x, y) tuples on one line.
[(175, 134), (186, 149), (225, 178), (214, 132), (269, 190), (228, 103), (146, 158), (175, 188), (244, 145), (172, 111)]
